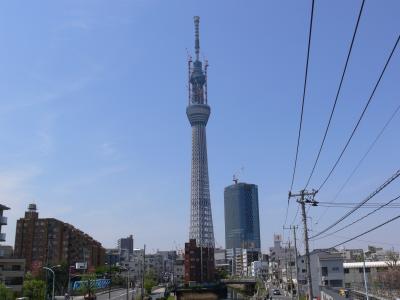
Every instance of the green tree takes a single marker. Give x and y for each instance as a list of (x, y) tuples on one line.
[(149, 281), (100, 270), (34, 289), (88, 286), (61, 282), (5, 292)]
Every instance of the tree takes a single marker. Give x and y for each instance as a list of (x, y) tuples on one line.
[(61, 283), (88, 286), (149, 281), (34, 289), (5, 292), (393, 260), (390, 279)]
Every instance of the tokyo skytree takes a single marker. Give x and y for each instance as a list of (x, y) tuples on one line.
[(198, 111)]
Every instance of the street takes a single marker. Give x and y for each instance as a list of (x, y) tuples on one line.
[(281, 297), (114, 295)]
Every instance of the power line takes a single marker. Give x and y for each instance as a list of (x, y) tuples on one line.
[(359, 219), (304, 93), (349, 206), (373, 194), (337, 93), (295, 216), (367, 241), (302, 105), (349, 203), (362, 114), (368, 231), (362, 159)]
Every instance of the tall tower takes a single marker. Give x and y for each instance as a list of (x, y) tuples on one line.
[(198, 111)]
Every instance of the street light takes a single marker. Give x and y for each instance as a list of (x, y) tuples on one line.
[(365, 276), (109, 275), (54, 276)]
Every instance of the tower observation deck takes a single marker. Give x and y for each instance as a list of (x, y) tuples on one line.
[(198, 112)]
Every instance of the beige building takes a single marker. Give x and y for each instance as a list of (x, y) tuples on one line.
[(12, 272)]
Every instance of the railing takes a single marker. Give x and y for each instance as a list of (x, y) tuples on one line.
[(3, 220), (2, 237)]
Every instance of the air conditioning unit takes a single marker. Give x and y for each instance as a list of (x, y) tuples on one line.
[(323, 278)]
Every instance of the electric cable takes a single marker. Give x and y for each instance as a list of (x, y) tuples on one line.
[(369, 197), (337, 93), (368, 231), (304, 93), (362, 159), (361, 116), (302, 104), (359, 219)]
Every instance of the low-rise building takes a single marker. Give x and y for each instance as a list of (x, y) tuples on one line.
[(3, 221), (199, 263), (354, 272), (249, 256), (179, 270), (239, 261), (259, 269), (281, 262), (326, 269), (112, 256), (12, 271)]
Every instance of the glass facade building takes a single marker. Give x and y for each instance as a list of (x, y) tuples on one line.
[(242, 223)]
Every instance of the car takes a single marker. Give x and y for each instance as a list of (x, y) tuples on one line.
[(276, 292)]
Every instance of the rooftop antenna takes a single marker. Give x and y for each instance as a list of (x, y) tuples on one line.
[(205, 84), (196, 35)]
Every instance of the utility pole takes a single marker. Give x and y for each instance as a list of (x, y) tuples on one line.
[(365, 277), (306, 197), (290, 268), (295, 262), (144, 269)]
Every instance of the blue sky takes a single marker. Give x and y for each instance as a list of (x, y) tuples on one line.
[(94, 130)]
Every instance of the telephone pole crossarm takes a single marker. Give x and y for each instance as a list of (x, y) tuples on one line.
[(306, 197)]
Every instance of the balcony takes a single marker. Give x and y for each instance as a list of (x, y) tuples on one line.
[(3, 220), (2, 237)]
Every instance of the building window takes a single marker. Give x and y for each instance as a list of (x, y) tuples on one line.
[(367, 270), (335, 283), (16, 268), (324, 271), (346, 271), (335, 269)]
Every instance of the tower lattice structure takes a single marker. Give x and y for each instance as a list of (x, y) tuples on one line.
[(198, 112)]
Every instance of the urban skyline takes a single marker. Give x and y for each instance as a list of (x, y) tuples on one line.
[(91, 144)]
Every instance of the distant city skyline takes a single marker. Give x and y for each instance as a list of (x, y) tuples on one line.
[(94, 130)]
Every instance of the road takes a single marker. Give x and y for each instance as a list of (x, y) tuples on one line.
[(278, 297), (281, 297), (115, 295)]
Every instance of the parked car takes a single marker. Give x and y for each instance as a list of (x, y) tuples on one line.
[(276, 292)]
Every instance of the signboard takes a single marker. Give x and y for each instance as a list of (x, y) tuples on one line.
[(81, 265), (96, 284)]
